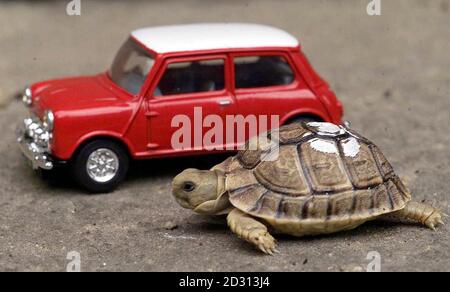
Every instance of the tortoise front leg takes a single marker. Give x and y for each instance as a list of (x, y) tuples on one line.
[(251, 230), (423, 213)]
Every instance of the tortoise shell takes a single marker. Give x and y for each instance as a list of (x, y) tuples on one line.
[(319, 172)]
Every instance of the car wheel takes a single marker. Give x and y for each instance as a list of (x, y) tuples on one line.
[(100, 166)]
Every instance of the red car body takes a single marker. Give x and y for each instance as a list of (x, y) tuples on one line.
[(93, 107)]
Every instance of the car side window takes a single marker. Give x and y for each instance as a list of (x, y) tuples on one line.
[(192, 77), (262, 71)]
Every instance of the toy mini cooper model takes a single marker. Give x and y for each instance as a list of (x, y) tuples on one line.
[(96, 124)]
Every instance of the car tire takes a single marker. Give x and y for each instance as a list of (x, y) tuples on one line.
[(47, 175), (100, 166)]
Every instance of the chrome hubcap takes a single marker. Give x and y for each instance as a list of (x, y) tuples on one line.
[(102, 165)]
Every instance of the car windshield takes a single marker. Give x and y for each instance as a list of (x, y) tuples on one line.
[(131, 67)]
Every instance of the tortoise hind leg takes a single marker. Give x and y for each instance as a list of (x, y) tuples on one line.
[(423, 213), (251, 230)]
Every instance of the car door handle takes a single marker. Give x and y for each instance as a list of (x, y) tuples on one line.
[(224, 102)]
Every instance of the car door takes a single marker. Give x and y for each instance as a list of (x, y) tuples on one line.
[(191, 98), (267, 84)]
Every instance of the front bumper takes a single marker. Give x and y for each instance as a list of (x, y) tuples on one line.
[(31, 148)]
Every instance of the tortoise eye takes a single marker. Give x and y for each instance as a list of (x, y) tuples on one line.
[(188, 186)]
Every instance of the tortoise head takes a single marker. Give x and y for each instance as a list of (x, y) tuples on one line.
[(202, 191)]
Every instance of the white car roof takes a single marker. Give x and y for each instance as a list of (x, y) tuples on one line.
[(210, 36)]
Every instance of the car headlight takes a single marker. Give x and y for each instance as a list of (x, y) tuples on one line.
[(27, 97), (48, 120)]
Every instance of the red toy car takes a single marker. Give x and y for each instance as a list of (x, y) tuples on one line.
[(98, 123)]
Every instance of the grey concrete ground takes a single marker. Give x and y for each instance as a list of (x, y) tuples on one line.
[(390, 71)]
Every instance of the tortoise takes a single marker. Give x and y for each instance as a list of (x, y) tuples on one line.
[(302, 179)]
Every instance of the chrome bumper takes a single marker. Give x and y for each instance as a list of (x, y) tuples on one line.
[(38, 155)]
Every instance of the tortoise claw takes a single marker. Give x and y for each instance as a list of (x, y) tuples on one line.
[(434, 220), (265, 242)]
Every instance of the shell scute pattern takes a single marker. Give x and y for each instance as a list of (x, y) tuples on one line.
[(290, 134), (248, 198), (362, 168), (325, 169), (396, 195), (316, 208), (342, 204), (385, 167), (268, 205), (381, 198), (254, 150), (322, 174), (284, 175), (363, 202), (291, 208)]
